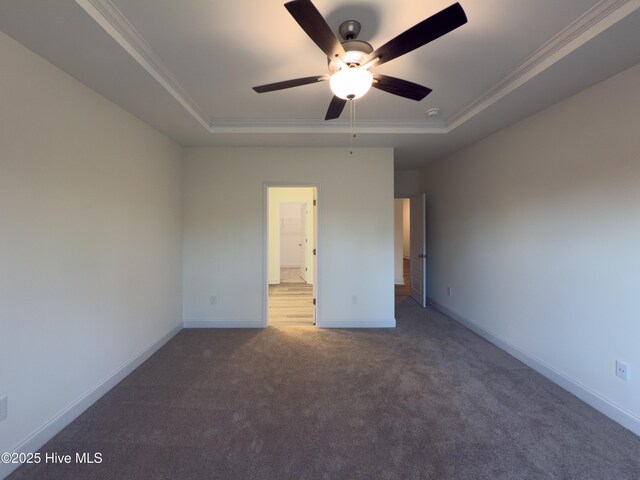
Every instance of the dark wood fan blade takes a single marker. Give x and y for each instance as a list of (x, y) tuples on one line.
[(309, 18), (296, 82), (402, 88), (424, 32), (335, 108)]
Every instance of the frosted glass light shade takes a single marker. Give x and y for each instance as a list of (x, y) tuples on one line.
[(350, 83)]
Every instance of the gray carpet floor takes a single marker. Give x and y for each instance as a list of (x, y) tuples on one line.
[(427, 400)]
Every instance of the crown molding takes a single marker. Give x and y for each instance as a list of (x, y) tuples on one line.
[(111, 19), (321, 126), (600, 17)]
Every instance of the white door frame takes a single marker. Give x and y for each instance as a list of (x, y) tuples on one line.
[(265, 245), (418, 250), (304, 239)]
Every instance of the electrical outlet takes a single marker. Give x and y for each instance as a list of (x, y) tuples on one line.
[(448, 291), (354, 299), (213, 300), (3, 407), (622, 370)]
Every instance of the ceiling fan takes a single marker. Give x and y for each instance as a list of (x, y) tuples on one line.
[(350, 61)]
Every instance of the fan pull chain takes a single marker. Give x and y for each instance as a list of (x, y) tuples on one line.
[(352, 121)]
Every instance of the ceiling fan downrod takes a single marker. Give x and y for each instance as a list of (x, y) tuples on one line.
[(349, 30)]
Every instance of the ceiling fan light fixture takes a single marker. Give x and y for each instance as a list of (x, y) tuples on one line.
[(350, 60), (351, 83)]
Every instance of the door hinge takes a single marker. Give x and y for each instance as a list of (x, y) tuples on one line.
[(314, 301), (314, 251), (314, 203)]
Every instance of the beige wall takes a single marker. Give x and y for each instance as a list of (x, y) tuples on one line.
[(406, 183), (406, 227), (90, 244), (223, 232), (537, 231)]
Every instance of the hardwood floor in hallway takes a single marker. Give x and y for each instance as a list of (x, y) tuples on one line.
[(291, 304), (405, 290)]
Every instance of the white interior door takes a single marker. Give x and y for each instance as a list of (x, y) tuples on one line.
[(304, 242), (418, 243), (313, 238), (291, 228)]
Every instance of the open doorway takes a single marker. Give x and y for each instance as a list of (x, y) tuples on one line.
[(418, 248), (410, 248), (402, 243), (291, 248)]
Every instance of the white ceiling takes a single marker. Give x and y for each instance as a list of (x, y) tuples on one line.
[(187, 67)]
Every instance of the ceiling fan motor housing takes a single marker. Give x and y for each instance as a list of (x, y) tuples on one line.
[(349, 30), (356, 51)]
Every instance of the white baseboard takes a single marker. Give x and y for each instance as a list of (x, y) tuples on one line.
[(210, 323), (51, 428), (399, 281), (352, 323), (349, 323), (584, 393)]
